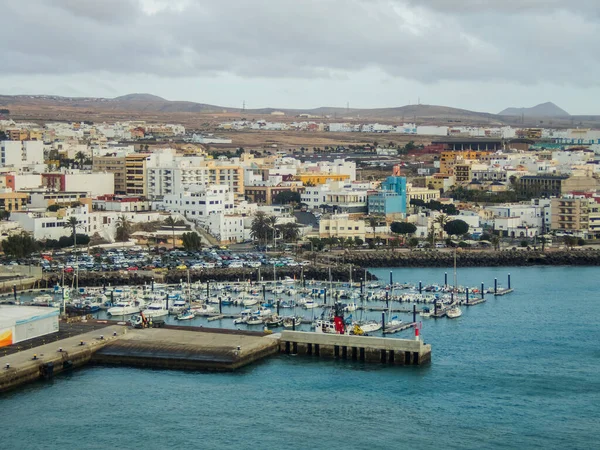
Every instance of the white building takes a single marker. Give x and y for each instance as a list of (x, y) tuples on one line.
[(199, 202), (20, 155), (227, 228)]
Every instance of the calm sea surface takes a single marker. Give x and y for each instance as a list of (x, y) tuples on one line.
[(520, 371)]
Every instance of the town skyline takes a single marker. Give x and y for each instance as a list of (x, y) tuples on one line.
[(490, 56)]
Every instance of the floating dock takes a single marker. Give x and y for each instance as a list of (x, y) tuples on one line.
[(357, 348)]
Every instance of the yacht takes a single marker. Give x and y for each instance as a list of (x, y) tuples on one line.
[(155, 310), (292, 321), (123, 309)]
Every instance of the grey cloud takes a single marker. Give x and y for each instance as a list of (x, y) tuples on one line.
[(425, 40), (508, 6)]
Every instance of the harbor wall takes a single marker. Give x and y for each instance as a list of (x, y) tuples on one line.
[(504, 258), (357, 348)]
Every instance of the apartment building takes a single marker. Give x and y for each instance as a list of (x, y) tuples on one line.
[(199, 202), (129, 172), (168, 174), (22, 154), (571, 215), (13, 201), (341, 226)]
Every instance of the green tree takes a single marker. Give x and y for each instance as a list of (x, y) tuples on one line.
[(442, 221), (358, 241), (290, 231), (456, 227), (123, 231), (53, 208), (413, 242), (80, 157), (19, 245), (495, 242), (259, 230), (191, 241), (172, 223), (570, 241), (403, 228), (543, 241), (72, 223), (287, 197), (373, 222)]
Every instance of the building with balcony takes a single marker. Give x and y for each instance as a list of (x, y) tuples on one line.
[(197, 203), (341, 226), (571, 215)]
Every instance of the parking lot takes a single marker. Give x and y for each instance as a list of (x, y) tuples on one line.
[(137, 258)]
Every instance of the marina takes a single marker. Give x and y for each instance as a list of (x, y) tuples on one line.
[(475, 353)]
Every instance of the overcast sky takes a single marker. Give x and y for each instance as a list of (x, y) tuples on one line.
[(482, 55)]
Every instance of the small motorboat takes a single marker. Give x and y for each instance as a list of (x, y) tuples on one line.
[(274, 321), (291, 322), (254, 320), (454, 312), (186, 315)]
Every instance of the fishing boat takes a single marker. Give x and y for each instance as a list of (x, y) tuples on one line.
[(186, 315), (425, 312), (244, 316)]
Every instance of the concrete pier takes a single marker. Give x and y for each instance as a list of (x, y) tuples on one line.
[(45, 361), (359, 348), (188, 350)]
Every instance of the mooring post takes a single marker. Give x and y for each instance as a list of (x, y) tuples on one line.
[(167, 300), (294, 323), (325, 296), (445, 278), (152, 285), (509, 280), (391, 279), (264, 293), (467, 292), (420, 287), (495, 285), (383, 322), (414, 313), (220, 306), (207, 289), (277, 307), (452, 296), (482, 290), (387, 299)]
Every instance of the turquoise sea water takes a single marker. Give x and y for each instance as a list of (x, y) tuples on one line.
[(520, 371)]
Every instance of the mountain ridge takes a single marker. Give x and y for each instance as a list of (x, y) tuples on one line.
[(547, 109)]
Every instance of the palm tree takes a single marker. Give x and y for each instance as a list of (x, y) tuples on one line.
[(373, 222), (170, 222), (123, 229), (72, 223), (289, 231), (495, 242), (441, 220), (271, 221), (80, 158), (260, 229)]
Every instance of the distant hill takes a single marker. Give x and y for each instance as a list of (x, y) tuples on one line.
[(547, 109)]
